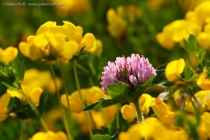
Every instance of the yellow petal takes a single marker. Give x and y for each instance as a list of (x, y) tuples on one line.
[(69, 50), (128, 113), (45, 27), (8, 54), (89, 41), (24, 48), (77, 37), (145, 101), (71, 27), (35, 95), (4, 101), (202, 82), (174, 69), (79, 29)]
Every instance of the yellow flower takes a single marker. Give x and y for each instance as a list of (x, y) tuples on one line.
[(204, 129), (8, 54), (33, 94), (49, 136), (145, 101), (97, 49), (4, 101), (163, 113), (53, 41), (176, 31), (201, 13), (71, 7), (202, 82), (129, 112), (174, 69), (117, 25), (151, 128), (90, 95), (75, 102), (204, 37), (35, 78)]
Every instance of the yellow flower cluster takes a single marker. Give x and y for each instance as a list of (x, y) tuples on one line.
[(193, 23), (9, 54), (35, 78), (152, 129), (90, 95), (49, 136), (53, 42), (4, 101), (176, 31), (116, 19)]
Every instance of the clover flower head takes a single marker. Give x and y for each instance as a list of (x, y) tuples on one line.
[(133, 71)]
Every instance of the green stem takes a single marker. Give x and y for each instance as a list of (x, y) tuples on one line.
[(65, 119), (117, 116), (138, 110), (81, 99), (105, 117), (33, 107)]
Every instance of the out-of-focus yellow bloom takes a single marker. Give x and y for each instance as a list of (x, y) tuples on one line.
[(175, 32), (97, 116), (163, 113), (189, 4), (204, 129), (71, 6), (174, 69), (180, 135), (145, 101), (35, 78), (200, 14), (117, 24), (204, 37), (49, 136), (151, 128), (129, 112), (8, 54), (33, 94), (97, 49), (90, 95), (53, 41), (156, 4), (4, 101), (203, 99), (75, 102), (202, 82), (116, 19)]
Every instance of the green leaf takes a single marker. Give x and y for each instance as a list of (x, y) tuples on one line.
[(9, 86), (141, 88), (193, 43), (201, 55), (188, 47), (43, 102), (101, 137), (18, 69), (103, 103), (202, 65), (27, 112), (187, 72), (118, 89)]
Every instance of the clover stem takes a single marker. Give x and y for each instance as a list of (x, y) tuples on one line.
[(33, 107), (64, 117), (138, 110), (81, 99)]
